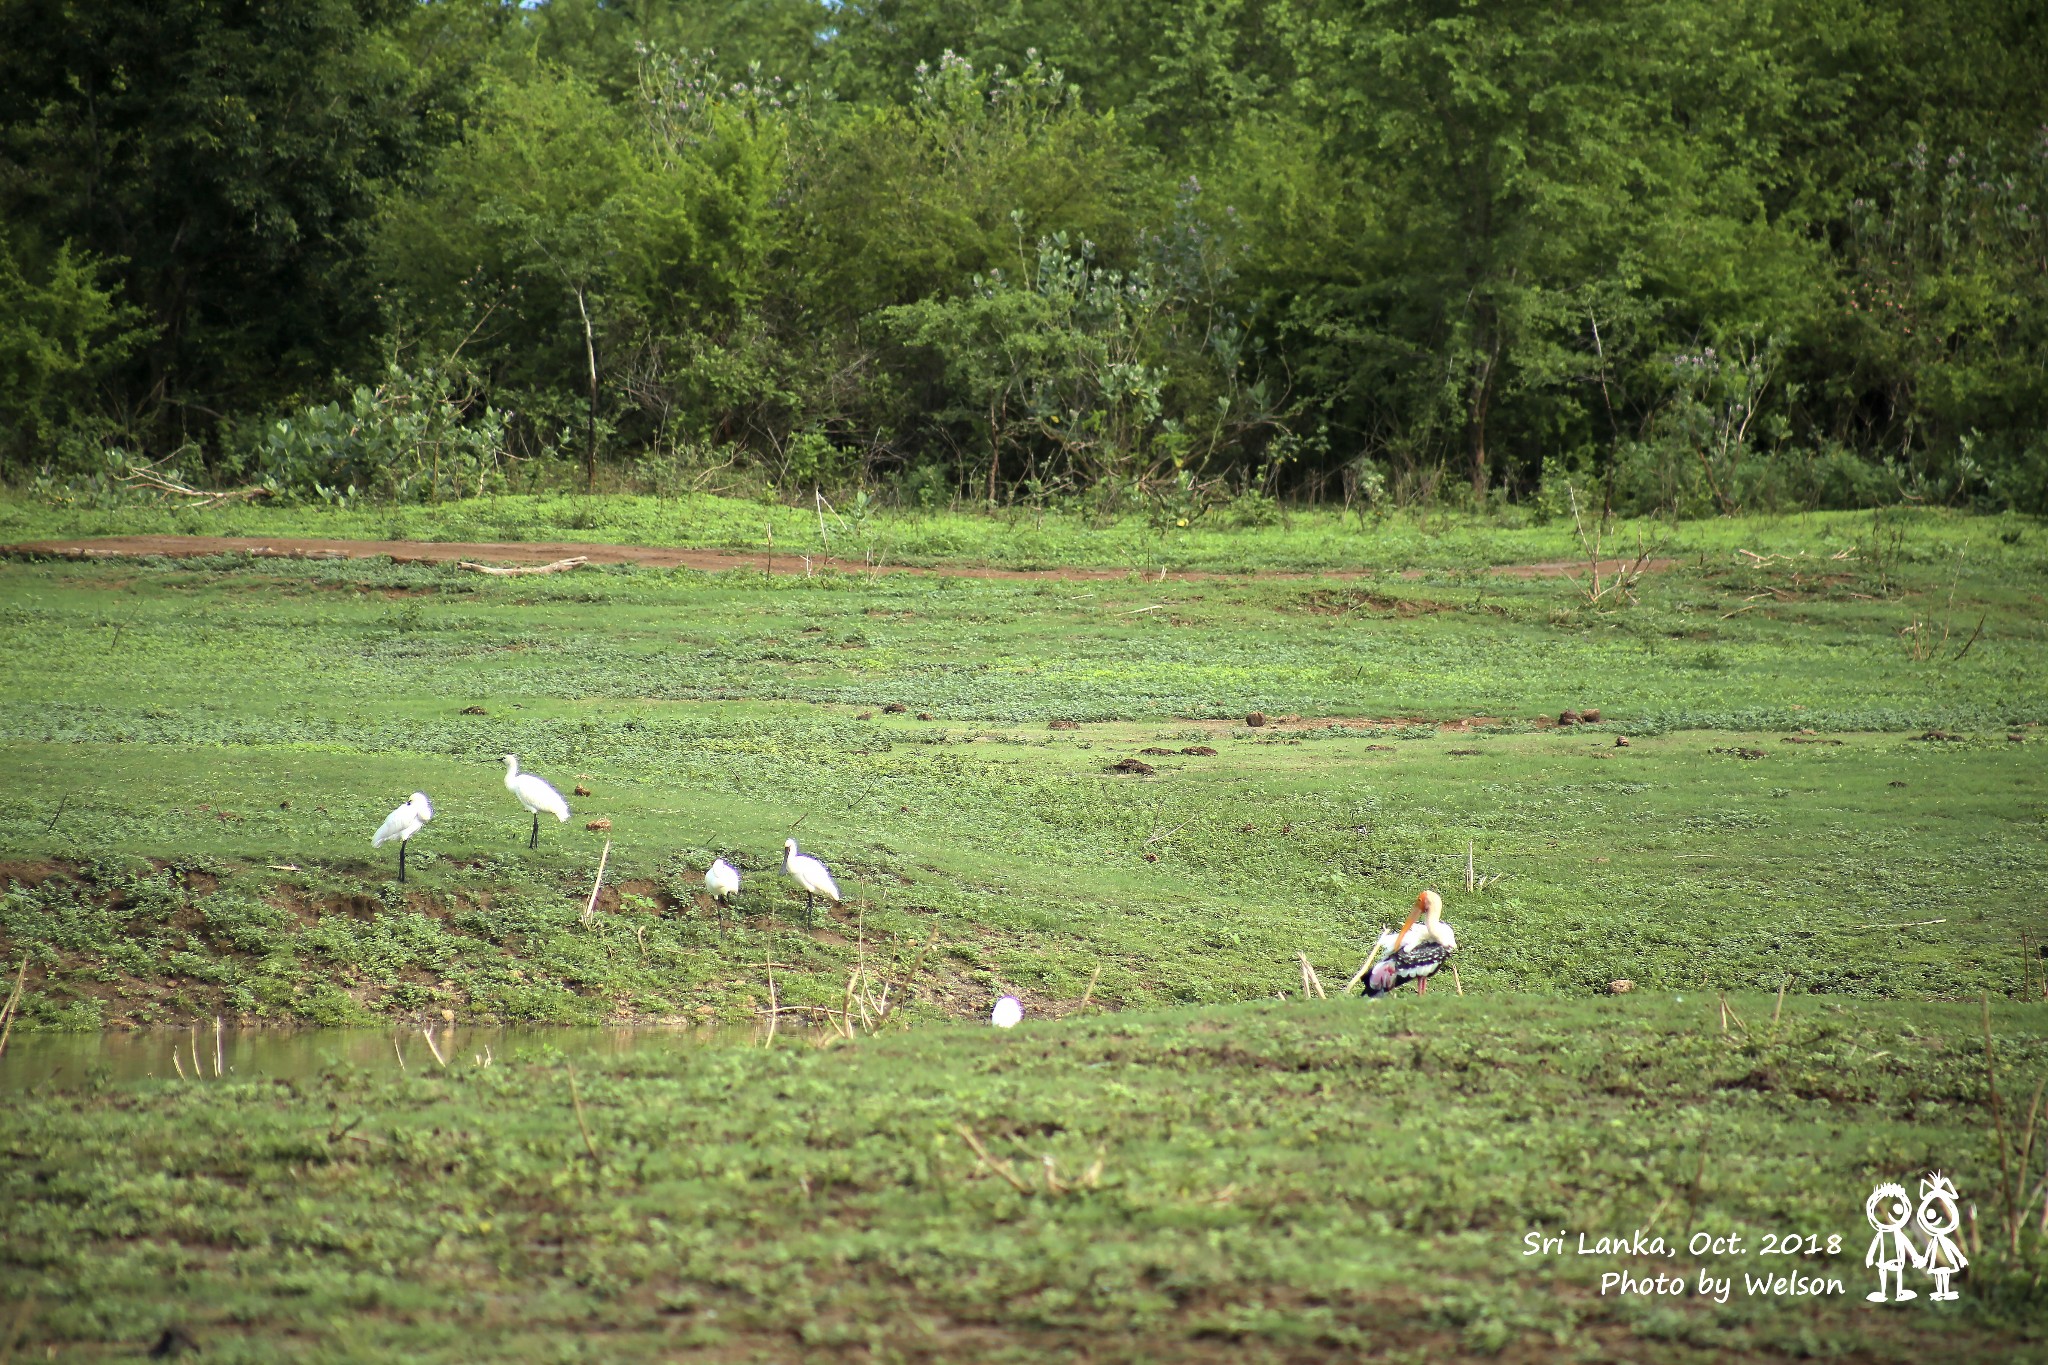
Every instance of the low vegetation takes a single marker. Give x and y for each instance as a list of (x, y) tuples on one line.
[(1275, 1182), (1830, 787)]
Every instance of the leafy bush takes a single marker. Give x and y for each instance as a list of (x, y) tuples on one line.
[(408, 439)]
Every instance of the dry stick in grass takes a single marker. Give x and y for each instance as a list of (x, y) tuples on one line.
[(196, 1071), (1455, 981), (1779, 1008), (1469, 870), (576, 1099), (431, 1047), (2027, 1144), (13, 999), (1972, 640), (1730, 1010), (1313, 979), (216, 1046), (1089, 994), (176, 1063), (597, 884), (1001, 1168), (1914, 924), (774, 1008), (2006, 1192), (846, 1007), (398, 1051)]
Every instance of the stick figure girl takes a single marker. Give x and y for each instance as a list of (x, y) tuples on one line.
[(1938, 1218), (1891, 1248)]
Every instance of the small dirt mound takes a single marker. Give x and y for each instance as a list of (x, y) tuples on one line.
[(1568, 718), (1942, 736), (1058, 724), (1739, 752), (474, 711), (1132, 765), (1156, 751), (894, 708), (1256, 719), (1200, 751), (599, 825)]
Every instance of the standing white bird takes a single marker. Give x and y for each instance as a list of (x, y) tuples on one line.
[(534, 794), (810, 875), (723, 879), (402, 824), (1423, 948), (1009, 1011)]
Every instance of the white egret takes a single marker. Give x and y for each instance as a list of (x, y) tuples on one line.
[(534, 794), (1009, 1011), (724, 881), (1423, 948), (810, 875), (402, 824)]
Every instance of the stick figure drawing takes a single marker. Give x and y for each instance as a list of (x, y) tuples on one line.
[(1938, 1218), (1889, 1210)]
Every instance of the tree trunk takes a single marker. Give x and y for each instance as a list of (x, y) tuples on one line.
[(995, 448), (1480, 402), (590, 415)]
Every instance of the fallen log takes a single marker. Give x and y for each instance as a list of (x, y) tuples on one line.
[(559, 566)]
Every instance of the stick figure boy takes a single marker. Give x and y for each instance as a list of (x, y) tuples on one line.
[(1889, 1210), (1938, 1218)]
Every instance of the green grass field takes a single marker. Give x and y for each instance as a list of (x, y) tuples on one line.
[(1833, 774)]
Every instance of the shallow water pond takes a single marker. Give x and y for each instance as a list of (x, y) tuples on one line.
[(69, 1061)]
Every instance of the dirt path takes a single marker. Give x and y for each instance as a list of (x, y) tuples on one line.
[(661, 557)]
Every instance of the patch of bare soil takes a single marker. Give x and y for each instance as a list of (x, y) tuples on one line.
[(666, 557), (1462, 725)]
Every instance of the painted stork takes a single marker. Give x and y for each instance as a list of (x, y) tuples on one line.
[(811, 877), (1422, 948), (402, 824), (534, 794)]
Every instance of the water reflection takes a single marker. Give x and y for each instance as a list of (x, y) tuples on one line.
[(71, 1060)]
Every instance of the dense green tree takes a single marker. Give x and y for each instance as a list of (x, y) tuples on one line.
[(1688, 254), (228, 157)]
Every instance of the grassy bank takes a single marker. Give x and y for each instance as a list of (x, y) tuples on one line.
[(1313, 540), (1832, 783), (1265, 1182), (194, 755)]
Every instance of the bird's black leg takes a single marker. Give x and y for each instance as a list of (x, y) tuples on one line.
[(810, 911), (534, 840), (401, 862)]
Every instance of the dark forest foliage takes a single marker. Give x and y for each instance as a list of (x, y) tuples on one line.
[(1686, 255)]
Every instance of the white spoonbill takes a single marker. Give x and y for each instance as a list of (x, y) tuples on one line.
[(1008, 1013), (724, 881), (1423, 948), (402, 824), (534, 794), (810, 875)]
